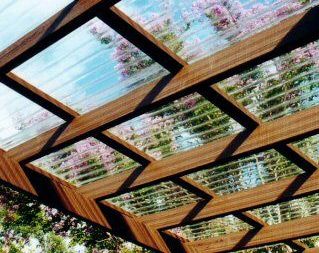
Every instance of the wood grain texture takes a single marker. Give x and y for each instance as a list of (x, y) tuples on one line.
[(11, 172), (42, 94), (147, 230), (265, 136), (270, 234), (64, 19), (199, 73)]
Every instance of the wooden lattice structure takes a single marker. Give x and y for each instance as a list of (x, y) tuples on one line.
[(197, 203)]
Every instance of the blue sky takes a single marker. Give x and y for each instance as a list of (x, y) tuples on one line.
[(18, 17)]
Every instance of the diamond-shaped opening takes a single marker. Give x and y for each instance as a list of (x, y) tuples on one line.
[(154, 199), (279, 87), (182, 125), (211, 228), (85, 161), (18, 17), (289, 210), (246, 173), (310, 146), (195, 28), (21, 119), (89, 67)]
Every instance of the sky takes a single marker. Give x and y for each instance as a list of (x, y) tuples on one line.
[(18, 17), (80, 71)]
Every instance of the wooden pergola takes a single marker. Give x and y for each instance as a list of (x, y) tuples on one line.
[(153, 230)]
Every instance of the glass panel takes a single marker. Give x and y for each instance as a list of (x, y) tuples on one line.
[(279, 87), (184, 124), (310, 146), (290, 210), (89, 67), (198, 28), (18, 17), (85, 161), (154, 199), (311, 242), (21, 119), (212, 228), (277, 248), (247, 172)]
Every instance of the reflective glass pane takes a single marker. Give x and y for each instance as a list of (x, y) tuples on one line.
[(21, 119), (310, 146), (89, 67), (154, 199), (18, 17), (279, 87), (290, 210), (246, 173), (212, 228), (85, 161), (184, 124), (311, 242), (198, 28)]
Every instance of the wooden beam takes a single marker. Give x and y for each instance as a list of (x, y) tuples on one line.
[(270, 234), (56, 27), (256, 49), (136, 36), (230, 106), (265, 136), (39, 97), (267, 194), (12, 173), (124, 147)]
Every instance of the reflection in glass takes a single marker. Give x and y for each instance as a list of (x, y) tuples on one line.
[(182, 125), (198, 28), (18, 17), (85, 161), (21, 119), (89, 67)]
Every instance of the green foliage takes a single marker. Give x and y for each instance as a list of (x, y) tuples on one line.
[(23, 218)]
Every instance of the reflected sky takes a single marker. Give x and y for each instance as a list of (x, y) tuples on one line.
[(89, 67), (18, 17), (21, 119)]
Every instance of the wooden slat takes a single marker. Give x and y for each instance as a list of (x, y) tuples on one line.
[(207, 71), (289, 34), (125, 148), (265, 136), (39, 97), (50, 175), (241, 201), (230, 106), (137, 37), (270, 234), (11, 172), (83, 207), (66, 20)]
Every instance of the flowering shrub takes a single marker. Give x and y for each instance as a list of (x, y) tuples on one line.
[(28, 226)]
